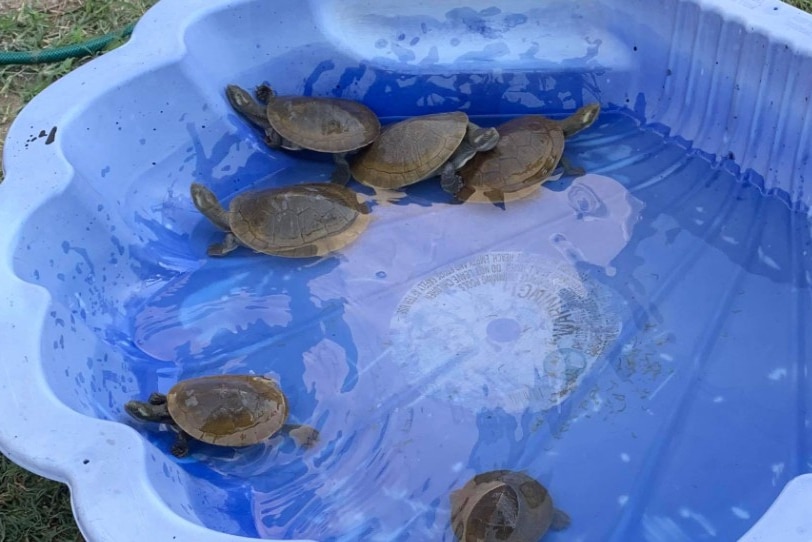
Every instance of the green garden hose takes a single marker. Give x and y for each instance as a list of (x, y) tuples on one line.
[(58, 54)]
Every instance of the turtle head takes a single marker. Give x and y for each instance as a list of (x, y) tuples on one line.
[(476, 140), (581, 119), (208, 204), (238, 97), (484, 139), (147, 412), (242, 102)]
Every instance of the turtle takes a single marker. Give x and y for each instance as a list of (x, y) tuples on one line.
[(330, 125), (530, 147), (225, 410), (504, 506), (297, 221), (422, 147)]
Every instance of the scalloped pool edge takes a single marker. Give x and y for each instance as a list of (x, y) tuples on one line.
[(111, 503)]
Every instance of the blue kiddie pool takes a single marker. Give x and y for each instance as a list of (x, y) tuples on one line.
[(637, 338)]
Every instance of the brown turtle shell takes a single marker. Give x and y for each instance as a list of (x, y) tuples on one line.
[(331, 125), (503, 505), (298, 221), (528, 151), (228, 410), (410, 150)]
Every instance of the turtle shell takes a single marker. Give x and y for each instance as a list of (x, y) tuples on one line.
[(331, 125), (299, 221), (503, 505), (228, 410), (528, 151), (410, 150)]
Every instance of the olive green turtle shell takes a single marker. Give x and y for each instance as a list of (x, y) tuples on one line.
[(331, 125), (528, 151), (228, 410), (410, 151), (304, 220)]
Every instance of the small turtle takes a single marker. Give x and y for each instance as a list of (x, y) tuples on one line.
[(529, 149), (421, 147), (504, 506), (330, 125), (226, 410), (299, 221)]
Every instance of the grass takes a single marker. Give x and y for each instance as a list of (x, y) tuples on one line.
[(29, 28), (33, 509)]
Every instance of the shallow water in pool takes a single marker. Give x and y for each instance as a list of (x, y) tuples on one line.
[(629, 337)]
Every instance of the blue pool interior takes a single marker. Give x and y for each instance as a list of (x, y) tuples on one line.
[(605, 335)]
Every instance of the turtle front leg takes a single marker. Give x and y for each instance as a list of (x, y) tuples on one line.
[(570, 168), (304, 435), (273, 139), (341, 174), (450, 181), (180, 448), (264, 92), (229, 244)]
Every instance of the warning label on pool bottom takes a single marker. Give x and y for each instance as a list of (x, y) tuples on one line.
[(503, 329)]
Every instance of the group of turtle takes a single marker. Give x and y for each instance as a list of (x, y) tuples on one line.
[(242, 410), (313, 219)]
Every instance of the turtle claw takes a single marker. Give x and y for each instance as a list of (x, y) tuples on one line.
[(451, 182), (229, 244), (263, 92), (156, 398), (273, 139), (180, 448)]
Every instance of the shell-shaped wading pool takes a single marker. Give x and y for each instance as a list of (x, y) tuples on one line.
[(636, 338)]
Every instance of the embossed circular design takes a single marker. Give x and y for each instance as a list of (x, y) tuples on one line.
[(502, 329)]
